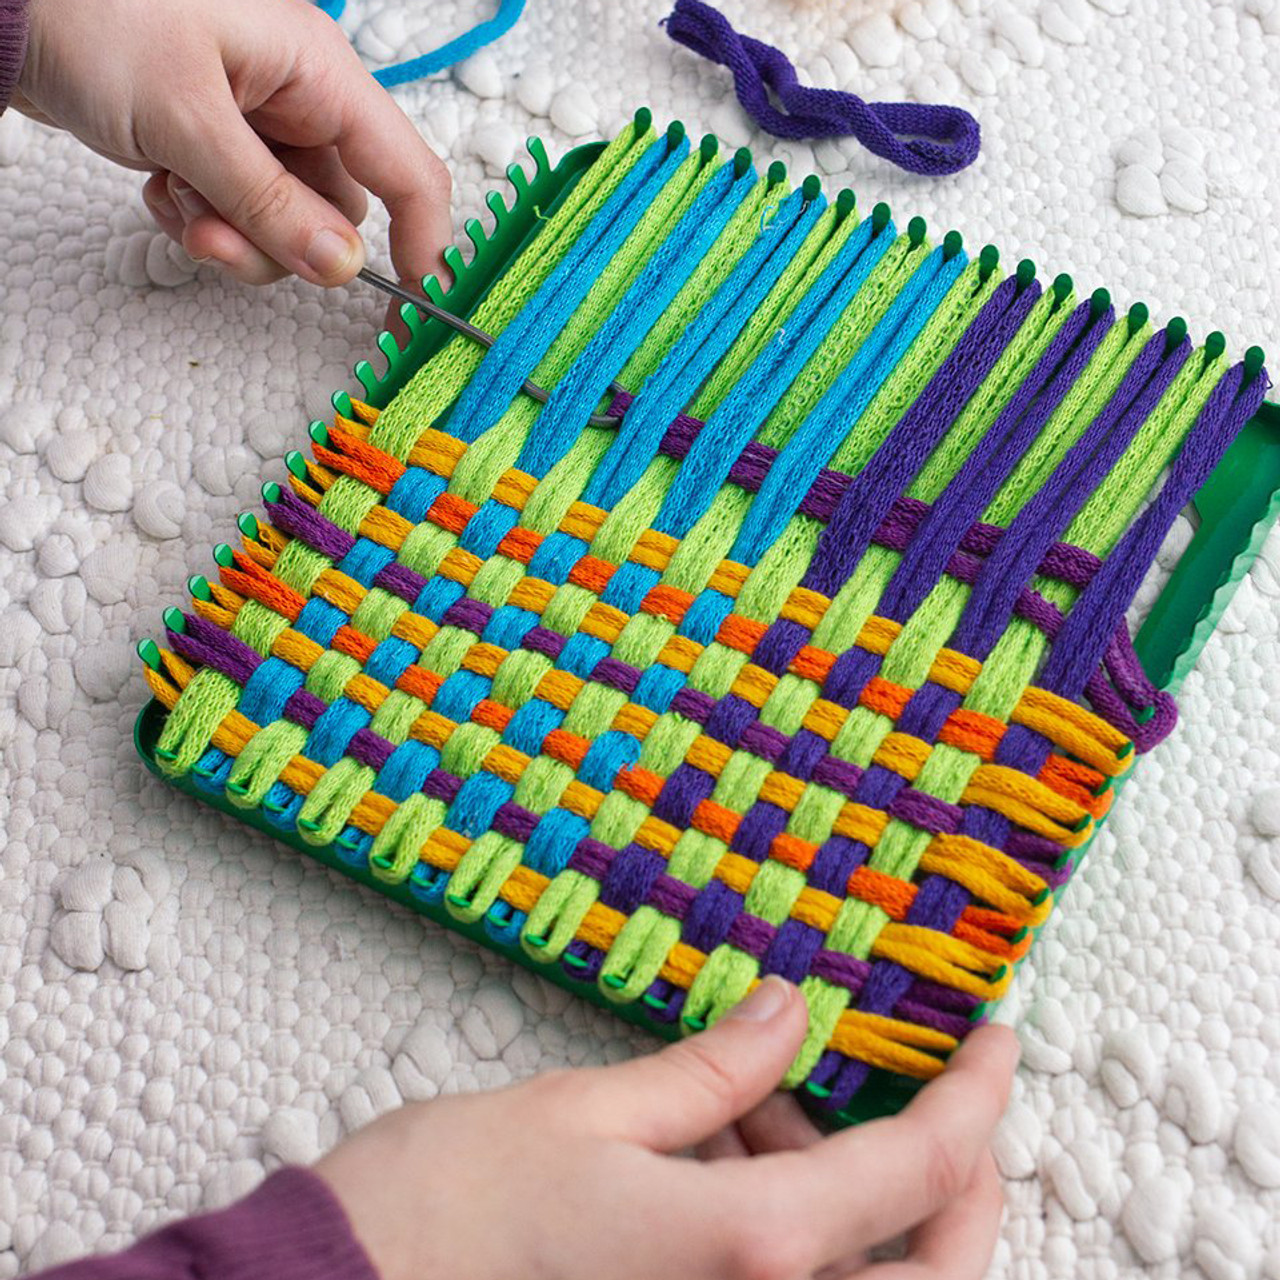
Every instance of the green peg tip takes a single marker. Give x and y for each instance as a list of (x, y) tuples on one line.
[(318, 432), (952, 243), (818, 1090), (1125, 751), (999, 974), (535, 940), (224, 556), (612, 981), (978, 1012), (247, 523), (652, 1001), (1041, 898), (575, 962), (777, 173), (1254, 359), (270, 806), (1025, 273), (149, 652), (880, 217), (644, 118), (307, 825), (201, 772), (457, 900), (916, 229), (846, 202), (811, 188), (271, 492), (709, 147), (1083, 825), (1062, 286), (379, 861), (296, 463), (237, 788), (167, 756), (675, 134), (694, 1023), (1214, 345), (1099, 301), (741, 161), (1018, 937), (343, 843), (1139, 314), (988, 261), (1144, 715), (1175, 333), (174, 620), (198, 585)]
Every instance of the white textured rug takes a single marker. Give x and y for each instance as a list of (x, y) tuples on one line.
[(185, 1004)]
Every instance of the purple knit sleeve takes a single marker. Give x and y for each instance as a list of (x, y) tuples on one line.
[(291, 1228), (13, 46)]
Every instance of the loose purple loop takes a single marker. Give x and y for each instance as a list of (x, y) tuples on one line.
[(919, 138)]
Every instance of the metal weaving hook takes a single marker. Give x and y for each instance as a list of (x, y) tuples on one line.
[(468, 330)]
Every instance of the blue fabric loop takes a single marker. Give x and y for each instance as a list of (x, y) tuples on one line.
[(456, 50)]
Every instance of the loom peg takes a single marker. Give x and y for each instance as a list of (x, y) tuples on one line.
[(175, 620), (1139, 314), (247, 523), (1254, 359), (988, 261), (916, 230), (224, 556), (149, 652), (1174, 333), (198, 585)]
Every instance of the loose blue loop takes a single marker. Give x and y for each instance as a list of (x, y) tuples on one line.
[(446, 55), (917, 137)]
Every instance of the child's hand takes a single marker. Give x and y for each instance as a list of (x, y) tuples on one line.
[(571, 1175), (259, 124)]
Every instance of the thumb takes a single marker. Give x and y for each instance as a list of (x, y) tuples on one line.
[(688, 1091), (251, 189)]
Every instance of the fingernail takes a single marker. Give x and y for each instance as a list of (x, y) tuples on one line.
[(329, 253), (765, 1002), (163, 207), (188, 199)]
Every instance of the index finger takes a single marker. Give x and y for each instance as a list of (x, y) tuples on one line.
[(869, 1184), (383, 151)]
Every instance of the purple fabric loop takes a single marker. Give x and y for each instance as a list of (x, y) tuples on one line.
[(920, 138)]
